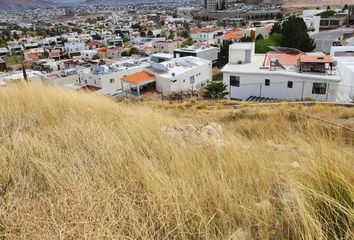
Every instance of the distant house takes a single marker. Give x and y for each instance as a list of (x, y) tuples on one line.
[(4, 52), (33, 54), (161, 57), (106, 79), (93, 45), (182, 74), (113, 53), (166, 46), (74, 48), (206, 34), (336, 21), (230, 37), (15, 49), (205, 52), (351, 15), (114, 41), (88, 54)]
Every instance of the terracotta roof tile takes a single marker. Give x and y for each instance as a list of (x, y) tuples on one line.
[(138, 77)]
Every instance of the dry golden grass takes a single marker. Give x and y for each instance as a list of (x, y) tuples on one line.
[(75, 166)]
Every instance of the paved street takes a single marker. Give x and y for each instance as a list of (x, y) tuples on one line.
[(324, 40)]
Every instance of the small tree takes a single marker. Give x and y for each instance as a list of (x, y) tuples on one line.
[(276, 28), (142, 34), (188, 42), (259, 37), (172, 35), (295, 35), (16, 36), (124, 54), (223, 5), (223, 55), (246, 39), (185, 34), (215, 90), (150, 33), (95, 57), (133, 50), (46, 54)]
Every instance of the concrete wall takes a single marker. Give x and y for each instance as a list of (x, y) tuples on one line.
[(182, 82), (254, 85)]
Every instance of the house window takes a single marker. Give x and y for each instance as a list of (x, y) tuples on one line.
[(319, 88), (192, 79), (235, 81), (290, 84), (94, 81), (267, 82), (111, 80)]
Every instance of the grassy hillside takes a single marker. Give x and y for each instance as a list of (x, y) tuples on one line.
[(75, 166)]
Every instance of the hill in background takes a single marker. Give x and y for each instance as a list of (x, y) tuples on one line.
[(24, 3), (74, 166)]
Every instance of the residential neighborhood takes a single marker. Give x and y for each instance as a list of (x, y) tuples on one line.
[(133, 52), (177, 119)]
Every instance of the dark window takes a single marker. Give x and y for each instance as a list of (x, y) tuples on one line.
[(235, 81), (319, 88), (290, 84), (267, 82)]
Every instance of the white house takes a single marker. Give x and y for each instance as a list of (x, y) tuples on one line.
[(33, 77), (344, 57), (106, 79), (4, 52), (206, 34), (74, 48), (206, 52), (88, 54), (182, 74), (286, 74)]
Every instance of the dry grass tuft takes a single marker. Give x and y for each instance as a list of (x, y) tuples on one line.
[(75, 166)]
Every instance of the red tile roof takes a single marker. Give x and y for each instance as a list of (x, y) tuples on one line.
[(138, 77), (232, 35), (284, 58)]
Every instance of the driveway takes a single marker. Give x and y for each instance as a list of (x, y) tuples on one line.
[(324, 40)]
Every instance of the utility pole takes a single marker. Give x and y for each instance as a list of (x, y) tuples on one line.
[(302, 91), (24, 73)]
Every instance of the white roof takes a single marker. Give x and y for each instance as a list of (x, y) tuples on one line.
[(162, 55), (181, 65), (195, 49), (242, 46), (253, 68), (19, 75)]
